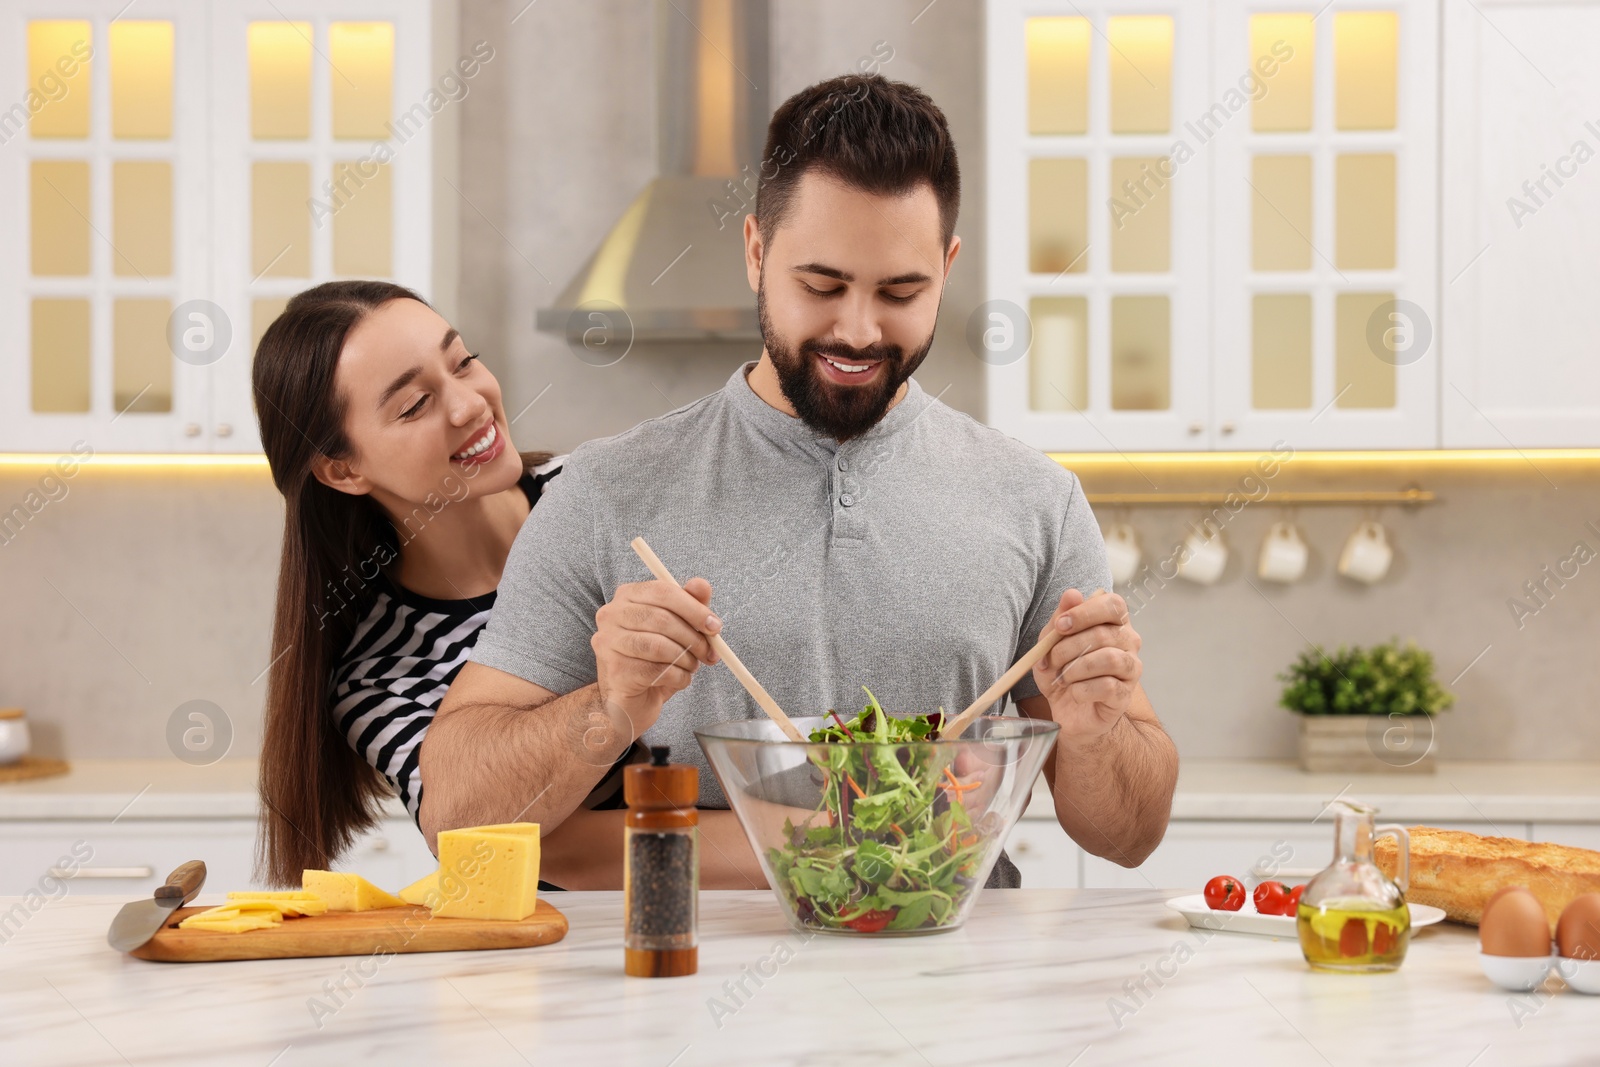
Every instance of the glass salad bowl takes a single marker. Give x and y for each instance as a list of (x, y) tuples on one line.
[(878, 826)]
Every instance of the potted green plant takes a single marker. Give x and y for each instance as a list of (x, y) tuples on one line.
[(1365, 709)]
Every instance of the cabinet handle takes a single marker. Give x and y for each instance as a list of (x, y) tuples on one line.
[(224, 429), (378, 844), (191, 429), (1227, 427), (102, 872), (1195, 427)]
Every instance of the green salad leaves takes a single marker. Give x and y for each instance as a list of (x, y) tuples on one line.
[(897, 850)]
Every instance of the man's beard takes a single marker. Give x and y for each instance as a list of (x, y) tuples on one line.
[(837, 411)]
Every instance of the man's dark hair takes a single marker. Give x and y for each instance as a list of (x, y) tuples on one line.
[(864, 130)]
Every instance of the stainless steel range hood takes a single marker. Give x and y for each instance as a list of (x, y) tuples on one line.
[(674, 260)]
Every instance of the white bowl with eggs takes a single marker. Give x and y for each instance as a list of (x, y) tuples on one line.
[(1514, 937)]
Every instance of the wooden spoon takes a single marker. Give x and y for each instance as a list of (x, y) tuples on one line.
[(1008, 679), (746, 679)]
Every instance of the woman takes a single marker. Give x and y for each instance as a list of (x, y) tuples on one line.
[(390, 444)]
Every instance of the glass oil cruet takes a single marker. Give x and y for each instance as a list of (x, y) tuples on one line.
[(1351, 916)]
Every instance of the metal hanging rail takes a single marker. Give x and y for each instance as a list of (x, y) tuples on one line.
[(1411, 497)]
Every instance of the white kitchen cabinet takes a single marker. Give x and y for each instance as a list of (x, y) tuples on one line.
[(1173, 265), (1521, 198), (171, 176), (131, 857), (1578, 835), (1194, 852), (1044, 854)]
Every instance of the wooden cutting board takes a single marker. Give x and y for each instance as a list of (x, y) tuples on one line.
[(352, 933)]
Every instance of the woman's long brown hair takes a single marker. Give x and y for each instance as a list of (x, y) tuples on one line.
[(317, 793)]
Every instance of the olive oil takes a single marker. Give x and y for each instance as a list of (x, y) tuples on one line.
[(1347, 934)]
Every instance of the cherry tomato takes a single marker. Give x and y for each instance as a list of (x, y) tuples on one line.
[(1224, 893), (1294, 900), (1353, 938), (1272, 898), (870, 922)]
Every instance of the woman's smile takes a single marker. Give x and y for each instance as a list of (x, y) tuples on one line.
[(481, 447)]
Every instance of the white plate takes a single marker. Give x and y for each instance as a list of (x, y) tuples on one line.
[(1249, 921)]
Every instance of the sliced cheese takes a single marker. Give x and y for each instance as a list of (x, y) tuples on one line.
[(236, 925), (229, 919), (290, 908), (343, 891), (487, 872), (424, 891)]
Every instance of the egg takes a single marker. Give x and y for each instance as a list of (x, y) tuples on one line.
[(1498, 893), (1514, 924), (1578, 931)]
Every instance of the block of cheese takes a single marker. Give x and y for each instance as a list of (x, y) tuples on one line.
[(1460, 871), (420, 891), (488, 872), (343, 891)]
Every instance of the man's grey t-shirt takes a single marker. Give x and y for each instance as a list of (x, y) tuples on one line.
[(920, 559)]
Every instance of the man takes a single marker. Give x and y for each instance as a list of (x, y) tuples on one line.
[(855, 531)]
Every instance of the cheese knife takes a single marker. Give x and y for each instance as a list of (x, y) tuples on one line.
[(138, 922)]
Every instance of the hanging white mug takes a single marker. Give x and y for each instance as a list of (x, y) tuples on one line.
[(1122, 552), (1284, 554), (1203, 556), (1367, 555)]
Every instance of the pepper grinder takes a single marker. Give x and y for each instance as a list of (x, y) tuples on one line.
[(661, 867)]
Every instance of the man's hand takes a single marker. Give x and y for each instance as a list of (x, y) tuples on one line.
[(1092, 673), (1115, 768), (649, 641)]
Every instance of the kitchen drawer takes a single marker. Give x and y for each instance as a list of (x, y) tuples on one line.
[(1046, 856), (131, 857), (1193, 852), (125, 858)]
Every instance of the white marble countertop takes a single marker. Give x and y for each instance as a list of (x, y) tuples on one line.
[(1037, 976), (1207, 789)]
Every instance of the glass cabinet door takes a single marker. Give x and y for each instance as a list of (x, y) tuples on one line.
[(1214, 222), (331, 144), (175, 171), (1325, 227), (1097, 227), (91, 173)]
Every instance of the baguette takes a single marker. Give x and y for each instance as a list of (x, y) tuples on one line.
[(1459, 871)]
